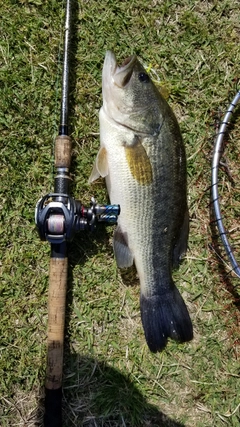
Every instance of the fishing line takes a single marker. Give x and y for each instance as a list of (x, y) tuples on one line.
[(217, 154)]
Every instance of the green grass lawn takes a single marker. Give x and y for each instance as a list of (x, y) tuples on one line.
[(110, 378)]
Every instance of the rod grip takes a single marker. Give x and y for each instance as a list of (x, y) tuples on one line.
[(63, 151), (56, 321)]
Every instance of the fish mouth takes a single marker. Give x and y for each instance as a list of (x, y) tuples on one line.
[(120, 75)]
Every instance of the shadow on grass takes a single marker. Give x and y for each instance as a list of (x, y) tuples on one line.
[(229, 281), (95, 394)]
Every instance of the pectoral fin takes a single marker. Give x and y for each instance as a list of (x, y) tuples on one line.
[(122, 252), (139, 163), (100, 167)]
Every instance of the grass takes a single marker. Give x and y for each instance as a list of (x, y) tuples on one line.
[(110, 377)]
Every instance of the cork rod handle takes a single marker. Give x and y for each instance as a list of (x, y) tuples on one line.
[(56, 320)]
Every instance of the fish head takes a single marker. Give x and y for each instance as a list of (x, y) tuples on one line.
[(129, 95)]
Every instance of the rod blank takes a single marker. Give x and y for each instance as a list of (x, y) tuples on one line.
[(65, 75)]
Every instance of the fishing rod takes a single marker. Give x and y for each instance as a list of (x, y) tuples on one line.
[(58, 217), (217, 153)]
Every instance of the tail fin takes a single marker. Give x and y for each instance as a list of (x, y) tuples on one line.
[(165, 316)]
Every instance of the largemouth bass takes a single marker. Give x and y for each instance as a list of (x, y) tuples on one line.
[(142, 158)]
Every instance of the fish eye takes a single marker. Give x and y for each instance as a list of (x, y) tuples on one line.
[(143, 77)]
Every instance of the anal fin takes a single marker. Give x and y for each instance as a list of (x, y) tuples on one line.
[(123, 255)]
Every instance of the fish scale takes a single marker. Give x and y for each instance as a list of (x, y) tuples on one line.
[(142, 158)]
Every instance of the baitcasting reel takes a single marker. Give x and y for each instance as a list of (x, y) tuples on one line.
[(58, 216)]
